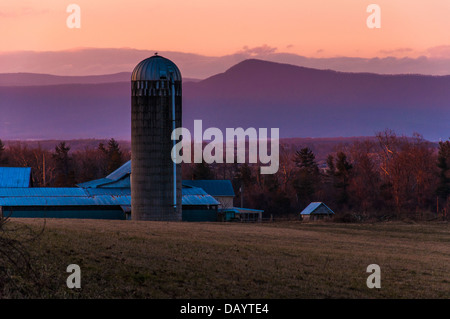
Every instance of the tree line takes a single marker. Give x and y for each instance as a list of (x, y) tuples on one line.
[(61, 167), (385, 177)]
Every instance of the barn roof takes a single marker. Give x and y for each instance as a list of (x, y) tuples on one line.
[(120, 178), (73, 196), (15, 176), (117, 179), (313, 209), (213, 187)]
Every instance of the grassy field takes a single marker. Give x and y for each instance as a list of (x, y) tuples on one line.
[(128, 259)]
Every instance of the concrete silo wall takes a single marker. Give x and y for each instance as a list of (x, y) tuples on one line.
[(151, 145)]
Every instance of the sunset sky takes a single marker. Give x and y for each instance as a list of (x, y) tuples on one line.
[(315, 28)]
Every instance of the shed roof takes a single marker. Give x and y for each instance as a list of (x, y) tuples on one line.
[(196, 196), (15, 176), (241, 210), (213, 187), (313, 209)]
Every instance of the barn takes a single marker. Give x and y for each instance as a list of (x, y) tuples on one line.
[(316, 211), (110, 198), (221, 190), (105, 198)]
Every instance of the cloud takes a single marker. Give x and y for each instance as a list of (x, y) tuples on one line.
[(21, 12), (439, 52), (261, 50), (396, 51)]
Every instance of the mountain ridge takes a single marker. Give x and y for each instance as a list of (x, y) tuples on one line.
[(300, 101)]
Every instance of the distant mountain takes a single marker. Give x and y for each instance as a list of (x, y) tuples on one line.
[(87, 61), (37, 79), (301, 102), (320, 103)]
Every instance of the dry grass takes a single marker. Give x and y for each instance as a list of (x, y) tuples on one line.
[(127, 259)]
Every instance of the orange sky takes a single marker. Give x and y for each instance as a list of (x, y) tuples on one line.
[(316, 28)]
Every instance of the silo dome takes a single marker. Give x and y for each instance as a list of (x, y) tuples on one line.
[(156, 68)]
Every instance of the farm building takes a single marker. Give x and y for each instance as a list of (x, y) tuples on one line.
[(105, 198), (221, 190), (15, 177), (71, 202), (240, 214), (110, 198), (94, 203), (315, 211)]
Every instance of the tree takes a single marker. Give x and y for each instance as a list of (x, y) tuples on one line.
[(202, 171), (245, 180), (113, 155), (443, 189), (342, 173), (307, 177), (364, 188), (65, 176), (331, 169), (3, 160)]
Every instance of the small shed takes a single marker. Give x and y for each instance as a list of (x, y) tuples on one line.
[(316, 211), (240, 214)]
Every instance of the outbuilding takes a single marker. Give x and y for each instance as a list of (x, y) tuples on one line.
[(316, 211)]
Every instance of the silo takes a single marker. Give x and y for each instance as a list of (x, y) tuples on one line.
[(155, 111)]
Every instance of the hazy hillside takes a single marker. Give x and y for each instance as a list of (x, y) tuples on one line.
[(302, 102), (317, 103), (36, 79), (85, 61)]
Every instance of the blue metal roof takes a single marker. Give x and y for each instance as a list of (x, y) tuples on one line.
[(241, 210), (121, 172), (101, 200), (213, 187), (15, 176), (59, 196), (95, 183), (196, 196), (42, 192), (120, 178), (314, 206), (198, 200), (47, 196)]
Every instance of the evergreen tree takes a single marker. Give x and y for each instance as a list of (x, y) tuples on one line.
[(342, 173), (65, 176), (307, 177), (112, 156), (245, 175), (244, 180), (443, 189), (306, 160), (115, 156), (331, 170), (202, 171)]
